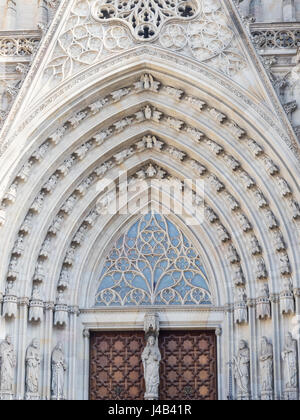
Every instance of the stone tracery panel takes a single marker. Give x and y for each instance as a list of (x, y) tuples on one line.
[(153, 264), (144, 17), (96, 29)]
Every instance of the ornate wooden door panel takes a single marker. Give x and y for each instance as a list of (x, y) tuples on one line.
[(188, 368), (116, 370)]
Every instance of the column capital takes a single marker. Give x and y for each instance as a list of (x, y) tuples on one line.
[(86, 333), (219, 332), (74, 310), (297, 292)]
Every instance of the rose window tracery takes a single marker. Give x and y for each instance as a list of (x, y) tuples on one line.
[(153, 264), (144, 17)]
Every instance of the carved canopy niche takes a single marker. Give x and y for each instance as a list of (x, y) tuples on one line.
[(153, 263)]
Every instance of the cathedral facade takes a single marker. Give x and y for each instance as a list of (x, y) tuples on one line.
[(149, 200)]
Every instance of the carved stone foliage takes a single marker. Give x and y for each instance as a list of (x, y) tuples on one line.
[(96, 29), (153, 263)]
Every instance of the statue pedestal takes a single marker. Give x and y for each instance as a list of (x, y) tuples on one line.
[(6, 396), (151, 397), (32, 397), (290, 394), (267, 396), (243, 397)]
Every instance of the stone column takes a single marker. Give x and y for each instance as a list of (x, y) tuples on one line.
[(48, 331), (11, 16), (43, 15), (22, 346), (86, 364), (275, 304), (288, 11), (253, 349), (220, 361), (73, 353), (296, 327), (231, 392)]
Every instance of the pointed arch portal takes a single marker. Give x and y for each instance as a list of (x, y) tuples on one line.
[(111, 94)]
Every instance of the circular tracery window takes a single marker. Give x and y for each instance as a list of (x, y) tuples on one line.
[(144, 17)]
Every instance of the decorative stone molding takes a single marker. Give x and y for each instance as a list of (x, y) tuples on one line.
[(287, 302), (61, 314), (144, 18), (263, 307), (234, 165), (268, 36), (19, 43), (240, 306), (178, 26)]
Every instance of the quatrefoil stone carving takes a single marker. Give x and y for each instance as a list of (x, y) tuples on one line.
[(145, 18)]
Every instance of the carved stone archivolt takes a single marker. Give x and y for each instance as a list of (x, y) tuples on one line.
[(148, 82)]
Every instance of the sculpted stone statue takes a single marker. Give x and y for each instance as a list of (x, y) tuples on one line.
[(7, 365), (242, 371), (289, 356), (33, 363), (59, 367), (266, 369), (151, 358)]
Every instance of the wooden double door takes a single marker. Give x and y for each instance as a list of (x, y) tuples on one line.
[(188, 368)]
